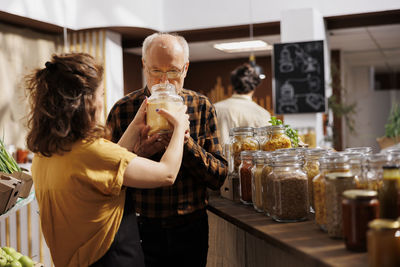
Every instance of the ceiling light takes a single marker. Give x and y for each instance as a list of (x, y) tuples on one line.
[(246, 46)]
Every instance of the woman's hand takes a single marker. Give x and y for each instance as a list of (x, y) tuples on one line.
[(179, 119)]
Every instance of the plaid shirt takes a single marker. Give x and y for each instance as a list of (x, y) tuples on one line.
[(202, 166)]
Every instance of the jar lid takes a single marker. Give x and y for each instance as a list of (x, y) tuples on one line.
[(243, 130), (163, 87), (384, 224), (284, 159), (339, 175), (259, 155), (360, 194), (247, 154), (334, 158), (275, 127), (377, 158), (364, 150)]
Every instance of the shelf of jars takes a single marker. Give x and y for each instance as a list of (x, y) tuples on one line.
[(351, 196)]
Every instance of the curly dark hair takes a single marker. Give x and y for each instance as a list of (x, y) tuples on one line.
[(63, 105), (244, 79)]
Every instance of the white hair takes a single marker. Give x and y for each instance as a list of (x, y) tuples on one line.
[(149, 40)]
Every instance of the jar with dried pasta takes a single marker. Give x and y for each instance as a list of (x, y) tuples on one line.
[(276, 139), (329, 163), (372, 170), (290, 189), (311, 167), (356, 160), (242, 139)]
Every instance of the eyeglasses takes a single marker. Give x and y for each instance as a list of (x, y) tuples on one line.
[(171, 74)]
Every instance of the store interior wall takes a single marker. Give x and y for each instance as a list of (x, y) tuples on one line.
[(372, 110), (21, 51)]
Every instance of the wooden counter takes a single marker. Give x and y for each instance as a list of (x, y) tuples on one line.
[(239, 236)]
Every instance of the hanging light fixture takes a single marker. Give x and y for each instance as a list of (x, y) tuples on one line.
[(252, 58)]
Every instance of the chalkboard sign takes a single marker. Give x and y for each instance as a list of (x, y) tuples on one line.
[(299, 85)]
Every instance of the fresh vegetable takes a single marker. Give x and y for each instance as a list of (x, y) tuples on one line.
[(9, 257), (292, 134), (392, 127), (7, 162)]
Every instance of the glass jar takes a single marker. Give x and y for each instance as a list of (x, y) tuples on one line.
[(327, 164), (267, 186), (277, 138), (372, 170), (162, 96), (363, 150), (311, 168), (242, 139), (289, 189), (359, 208), (261, 135), (245, 176), (389, 197), (356, 160), (256, 182), (383, 242), (336, 184)]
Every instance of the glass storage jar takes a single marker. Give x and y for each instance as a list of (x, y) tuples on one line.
[(311, 168), (277, 138), (359, 207), (366, 150), (336, 184), (245, 176), (267, 196), (372, 170), (162, 96), (256, 182), (383, 243), (389, 194), (329, 163), (261, 135), (242, 139), (356, 160), (289, 189)]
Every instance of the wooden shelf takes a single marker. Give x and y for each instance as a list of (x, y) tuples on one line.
[(302, 241)]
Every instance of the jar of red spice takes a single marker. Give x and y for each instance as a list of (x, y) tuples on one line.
[(245, 175)]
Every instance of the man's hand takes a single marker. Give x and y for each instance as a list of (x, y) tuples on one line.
[(147, 146)]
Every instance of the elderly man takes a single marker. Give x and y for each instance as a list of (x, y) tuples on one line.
[(173, 222)]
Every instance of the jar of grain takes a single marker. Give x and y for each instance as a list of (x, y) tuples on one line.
[(256, 181), (267, 195), (334, 162), (336, 184), (162, 96), (276, 139), (242, 139), (289, 189)]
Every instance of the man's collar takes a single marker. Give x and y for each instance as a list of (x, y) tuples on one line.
[(237, 96)]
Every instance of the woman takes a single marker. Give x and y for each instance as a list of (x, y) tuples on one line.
[(79, 176)]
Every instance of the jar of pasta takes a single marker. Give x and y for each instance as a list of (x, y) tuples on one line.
[(245, 173), (330, 163), (336, 184), (276, 139), (256, 182), (356, 160), (162, 96), (242, 139), (311, 168), (290, 189)]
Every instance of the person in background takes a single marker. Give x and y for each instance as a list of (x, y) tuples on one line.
[(173, 222), (240, 110), (80, 178)]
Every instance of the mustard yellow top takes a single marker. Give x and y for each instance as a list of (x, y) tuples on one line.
[(81, 200)]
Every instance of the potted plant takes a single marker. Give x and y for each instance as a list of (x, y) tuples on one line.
[(392, 129)]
